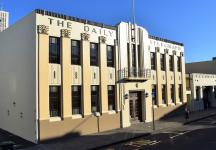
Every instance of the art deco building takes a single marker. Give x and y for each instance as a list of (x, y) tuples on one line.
[(63, 75), (4, 20)]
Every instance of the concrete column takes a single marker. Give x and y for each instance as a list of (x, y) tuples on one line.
[(168, 86), (103, 75), (116, 59), (176, 83), (86, 71), (66, 74), (43, 72), (184, 95), (201, 92), (159, 78)]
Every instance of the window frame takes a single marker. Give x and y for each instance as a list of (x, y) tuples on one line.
[(95, 94), (75, 59), (76, 98), (110, 62), (54, 48), (52, 99), (111, 98), (94, 59)]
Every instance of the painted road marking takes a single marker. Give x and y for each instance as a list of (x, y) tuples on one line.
[(179, 134)]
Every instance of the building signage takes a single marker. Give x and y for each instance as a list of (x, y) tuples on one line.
[(165, 45), (86, 28)]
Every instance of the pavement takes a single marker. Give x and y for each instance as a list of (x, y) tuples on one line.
[(105, 139), (197, 135)]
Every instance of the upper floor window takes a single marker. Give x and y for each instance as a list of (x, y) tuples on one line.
[(55, 101), (171, 64), (133, 53), (76, 100), (75, 52), (94, 54), (110, 56), (179, 64), (153, 61), (111, 97), (162, 61), (54, 50)]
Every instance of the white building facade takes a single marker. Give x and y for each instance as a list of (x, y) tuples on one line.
[(4, 20)]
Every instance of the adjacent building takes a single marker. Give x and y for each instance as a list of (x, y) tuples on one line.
[(73, 76), (203, 91), (4, 20), (201, 80)]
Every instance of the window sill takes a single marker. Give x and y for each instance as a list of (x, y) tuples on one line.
[(55, 119), (78, 116), (171, 104), (163, 105), (111, 112), (155, 106), (96, 114)]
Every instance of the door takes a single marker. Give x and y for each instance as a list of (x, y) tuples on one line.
[(135, 107)]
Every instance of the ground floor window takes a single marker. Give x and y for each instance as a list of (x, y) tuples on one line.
[(180, 92), (76, 100), (111, 97), (172, 90), (95, 98), (163, 94), (197, 93), (154, 95), (215, 92), (55, 101)]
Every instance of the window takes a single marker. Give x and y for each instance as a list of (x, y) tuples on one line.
[(54, 50), (133, 52), (75, 52), (180, 92), (197, 93), (179, 64), (76, 100), (162, 61), (55, 101), (153, 61), (154, 96), (171, 63), (95, 98), (111, 97), (215, 92), (94, 54), (172, 90), (163, 94), (139, 56), (110, 56)]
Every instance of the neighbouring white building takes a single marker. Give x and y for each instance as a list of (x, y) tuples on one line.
[(4, 20)]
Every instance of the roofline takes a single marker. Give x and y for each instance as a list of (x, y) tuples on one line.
[(165, 40), (71, 18)]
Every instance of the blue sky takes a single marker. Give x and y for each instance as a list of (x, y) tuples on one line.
[(192, 22)]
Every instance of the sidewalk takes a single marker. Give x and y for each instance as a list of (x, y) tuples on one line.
[(103, 139)]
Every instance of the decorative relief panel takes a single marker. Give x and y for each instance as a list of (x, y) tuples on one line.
[(76, 75), (42, 29), (65, 33), (111, 76), (85, 36), (102, 39), (95, 76), (54, 74)]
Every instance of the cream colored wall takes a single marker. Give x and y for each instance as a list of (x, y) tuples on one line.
[(18, 79), (85, 72)]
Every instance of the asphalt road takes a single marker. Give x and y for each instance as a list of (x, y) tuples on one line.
[(200, 135)]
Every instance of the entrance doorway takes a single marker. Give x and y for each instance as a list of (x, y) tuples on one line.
[(135, 107)]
